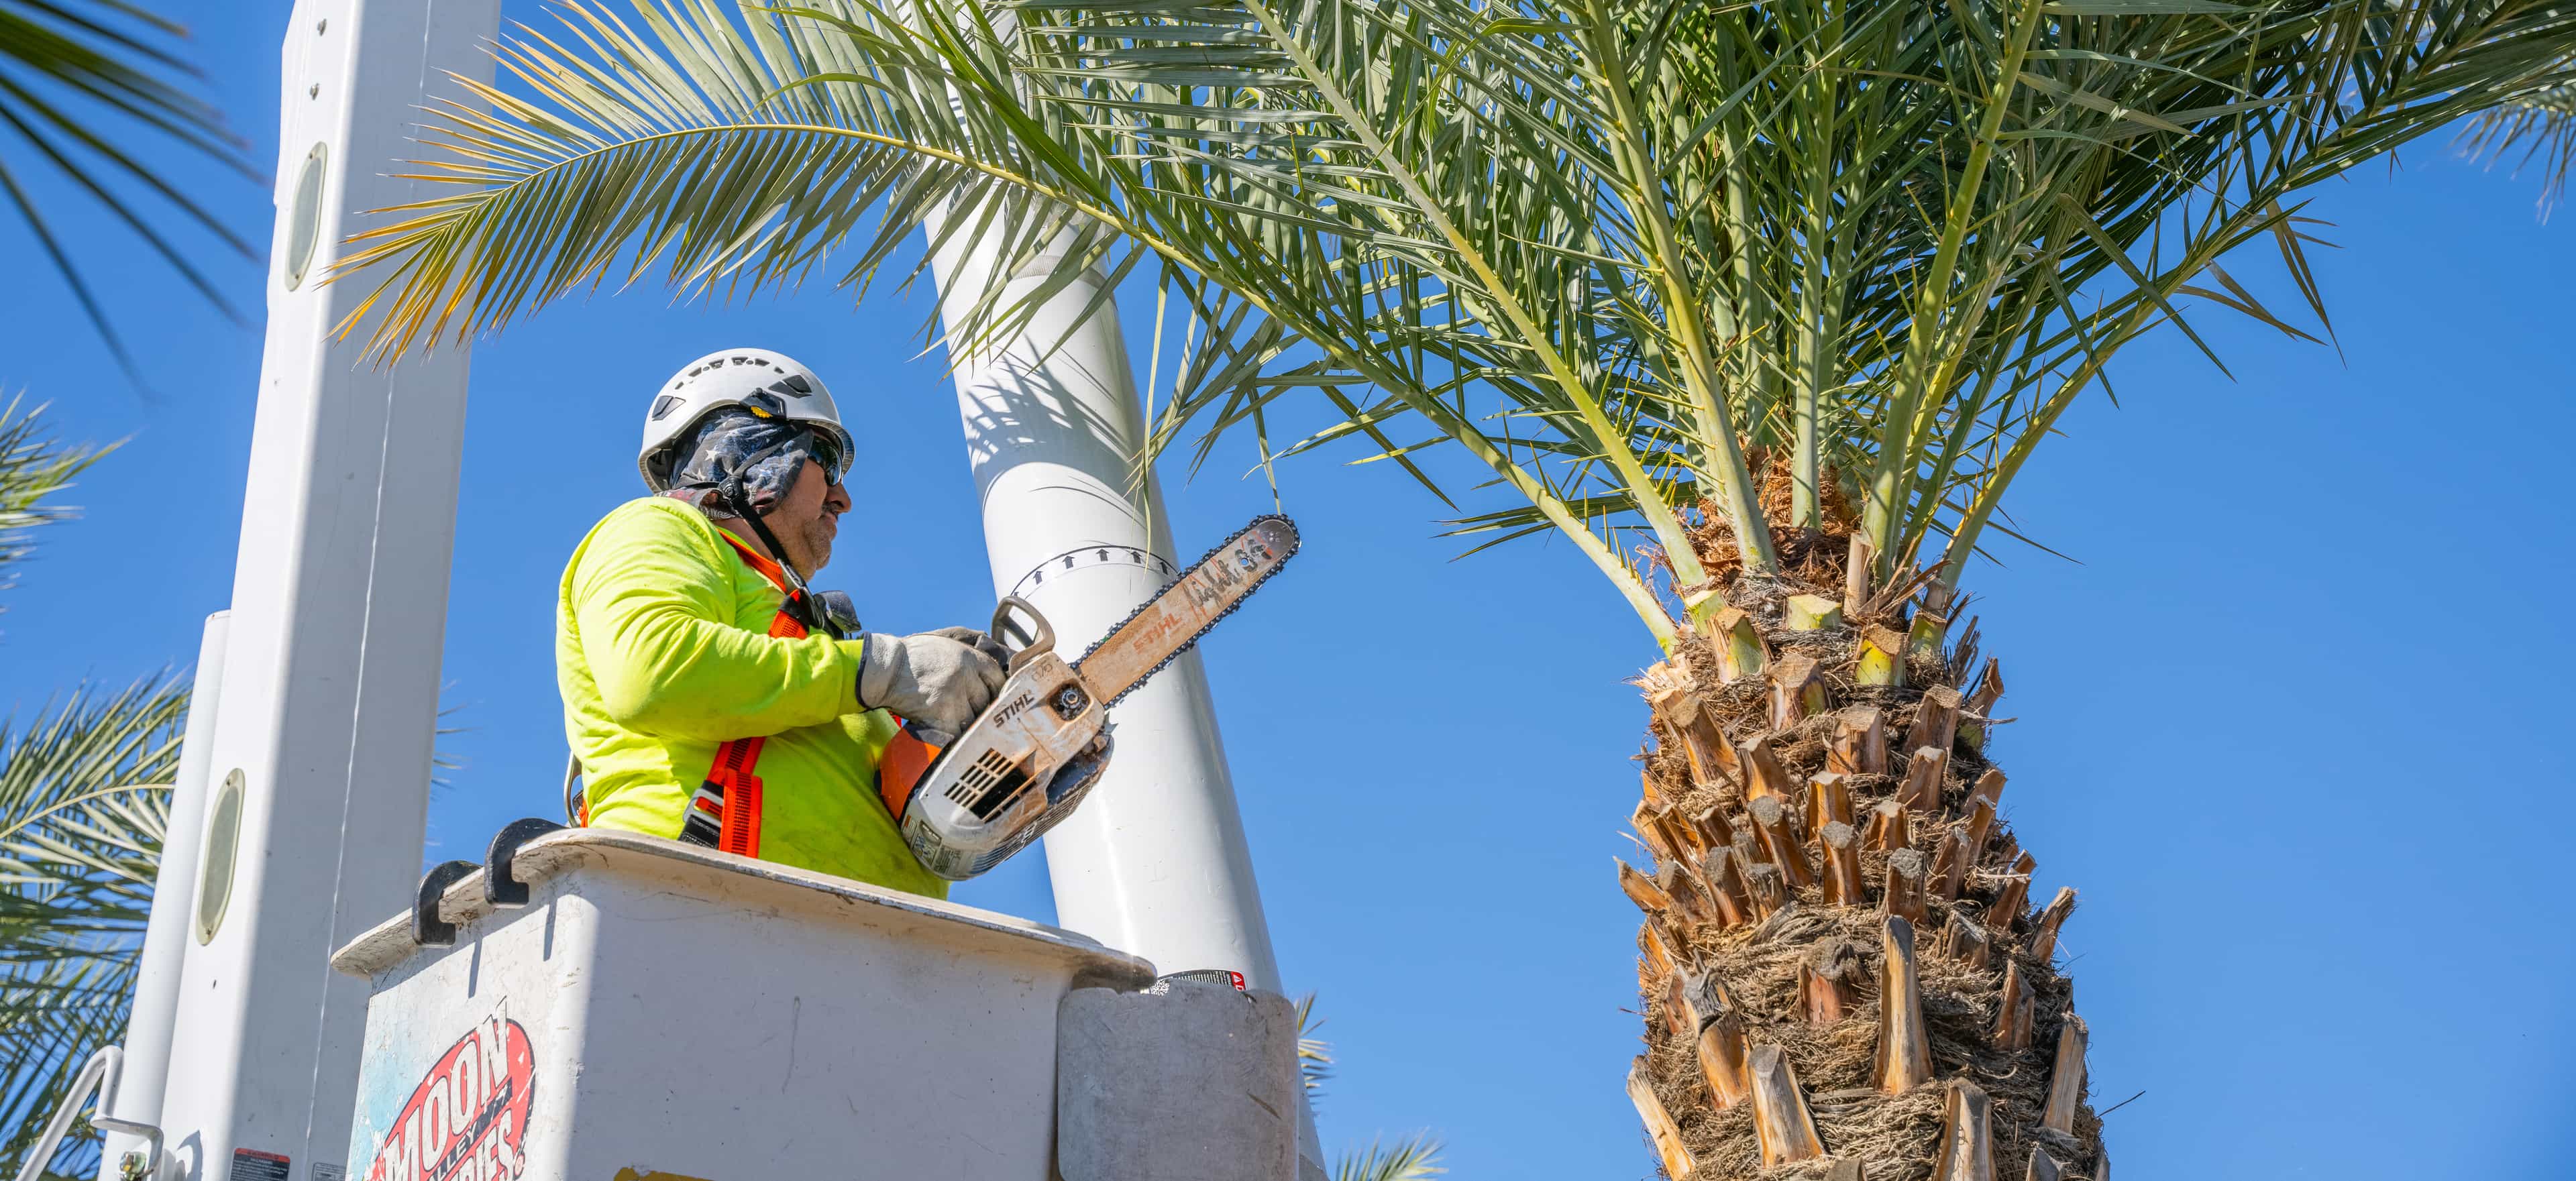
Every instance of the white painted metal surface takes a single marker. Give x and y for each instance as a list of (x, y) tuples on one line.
[(664, 1011), (331, 669), (1155, 861), (165, 935)]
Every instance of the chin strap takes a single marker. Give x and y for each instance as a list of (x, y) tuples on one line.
[(800, 601), (741, 505)]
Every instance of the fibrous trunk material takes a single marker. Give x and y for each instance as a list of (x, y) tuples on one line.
[(1841, 970)]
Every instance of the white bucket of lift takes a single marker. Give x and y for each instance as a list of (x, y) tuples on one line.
[(658, 1012)]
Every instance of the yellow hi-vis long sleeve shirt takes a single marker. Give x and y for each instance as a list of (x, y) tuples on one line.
[(662, 651)]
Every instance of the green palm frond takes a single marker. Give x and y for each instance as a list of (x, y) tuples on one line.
[(84, 804), (1314, 1054), (2542, 127), (82, 83), (32, 468), (1630, 256), (1414, 1158)]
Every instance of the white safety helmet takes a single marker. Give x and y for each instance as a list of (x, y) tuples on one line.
[(767, 382)]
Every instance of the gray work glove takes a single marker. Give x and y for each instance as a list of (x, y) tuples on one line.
[(935, 680), (978, 641)]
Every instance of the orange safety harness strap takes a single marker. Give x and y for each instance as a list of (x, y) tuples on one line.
[(724, 813)]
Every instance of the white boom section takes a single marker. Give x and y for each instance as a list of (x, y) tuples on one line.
[(166, 937), (1154, 862), (331, 670)]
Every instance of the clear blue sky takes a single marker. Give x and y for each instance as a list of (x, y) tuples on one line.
[(2287, 725)]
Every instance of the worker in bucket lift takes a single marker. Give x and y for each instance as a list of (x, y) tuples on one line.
[(709, 695)]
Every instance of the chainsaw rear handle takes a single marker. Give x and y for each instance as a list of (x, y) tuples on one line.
[(1038, 637)]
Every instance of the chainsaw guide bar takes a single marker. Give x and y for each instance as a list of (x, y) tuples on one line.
[(1171, 621)]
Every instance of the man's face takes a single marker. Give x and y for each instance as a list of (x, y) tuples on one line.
[(808, 518)]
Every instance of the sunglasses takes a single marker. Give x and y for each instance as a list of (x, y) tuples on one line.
[(826, 451)]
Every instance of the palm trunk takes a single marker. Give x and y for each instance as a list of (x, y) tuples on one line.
[(1841, 973)]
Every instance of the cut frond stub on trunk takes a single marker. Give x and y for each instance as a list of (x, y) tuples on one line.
[(1965, 940), (1649, 832), (1689, 904), (1642, 890), (1860, 742), (1950, 870), (1904, 898), (1721, 1059), (1829, 984), (1981, 826), (1889, 830), (1770, 894), (1990, 788), (1764, 775), (1925, 769), (1936, 720), (1680, 835), (1714, 831), (2014, 1011), (1797, 690), (1681, 715), (1660, 1127), (2010, 904), (2066, 1080), (1981, 702), (1658, 950), (2043, 1167), (2043, 937), (1923, 641), (1811, 613), (1828, 800), (1726, 889), (1967, 1136), (1781, 1121), (1881, 658), (1904, 1043), (1741, 650), (1702, 998), (1856, 576), (1780, 841), (1843, 884)]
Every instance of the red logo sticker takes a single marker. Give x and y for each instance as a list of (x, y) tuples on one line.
[(468, 1119)]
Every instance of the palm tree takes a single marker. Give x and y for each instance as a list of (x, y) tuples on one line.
[(84, 800), (1761, 307)]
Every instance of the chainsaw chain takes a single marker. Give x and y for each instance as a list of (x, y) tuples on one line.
[(1295, 543)]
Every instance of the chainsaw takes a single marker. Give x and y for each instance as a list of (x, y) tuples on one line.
[(1023, 763)]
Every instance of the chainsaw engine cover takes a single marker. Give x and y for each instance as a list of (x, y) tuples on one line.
[(1012, 775)]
